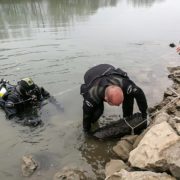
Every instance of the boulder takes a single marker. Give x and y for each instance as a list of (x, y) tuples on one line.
[(159, 150), (114, 166), (139, 175), (125, 146), (29, 165)]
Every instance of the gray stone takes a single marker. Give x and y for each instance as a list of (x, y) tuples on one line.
[(124, 147), (178, 105), (29, 165), (168, 93), (70, 174)]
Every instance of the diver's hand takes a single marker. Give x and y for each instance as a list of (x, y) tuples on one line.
[(34, 98), (178, 49), (88, 133)]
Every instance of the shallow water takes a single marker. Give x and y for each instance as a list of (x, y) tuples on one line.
[(55, 42)]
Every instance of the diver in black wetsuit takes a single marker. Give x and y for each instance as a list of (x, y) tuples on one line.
[(105, 83), (15, 99)]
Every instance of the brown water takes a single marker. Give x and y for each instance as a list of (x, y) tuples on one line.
[(55, 42)]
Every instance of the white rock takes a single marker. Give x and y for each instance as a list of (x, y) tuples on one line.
[(159, 149), (139, 175)]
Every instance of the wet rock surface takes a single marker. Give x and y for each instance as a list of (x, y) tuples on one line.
[(124, 147), (139, 175)]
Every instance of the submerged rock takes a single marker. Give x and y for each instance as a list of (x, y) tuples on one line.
[(70, 174), (29, 165), (124, 147)]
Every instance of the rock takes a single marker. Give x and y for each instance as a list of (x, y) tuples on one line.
[(172, 69), (168, 93), (124, 147), (158, 150), (172, 156), (114, 166), (138, 139), (171, 110), (139, 175), (70, 174), (29, 165), (178, 105), (172, 45), (161, 117), (175, 74), (175, 124)]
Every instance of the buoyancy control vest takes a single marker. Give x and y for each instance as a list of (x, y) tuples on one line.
[(106, 71)]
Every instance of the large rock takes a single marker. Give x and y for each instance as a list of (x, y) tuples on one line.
[(29, 165), (139, 175), (114, 166), (125, 146), (158, 150)]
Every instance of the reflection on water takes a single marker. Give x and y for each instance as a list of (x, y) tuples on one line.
[(41, 14), (145, 3), (29, 14)]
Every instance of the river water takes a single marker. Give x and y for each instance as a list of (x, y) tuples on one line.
[(55, 42)]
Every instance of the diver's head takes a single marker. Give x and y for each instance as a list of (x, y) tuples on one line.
[(26, 87), (114, 95)]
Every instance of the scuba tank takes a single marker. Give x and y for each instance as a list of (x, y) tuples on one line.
[(5, 88), (3, 91)]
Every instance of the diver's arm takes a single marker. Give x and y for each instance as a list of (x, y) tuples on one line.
[(141, 102), (41, 93), (87, 115), (44, 93), (133, 90), (90, 115)]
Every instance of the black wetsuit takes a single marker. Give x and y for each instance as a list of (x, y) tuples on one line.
[(96, 80), (15, 103)]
